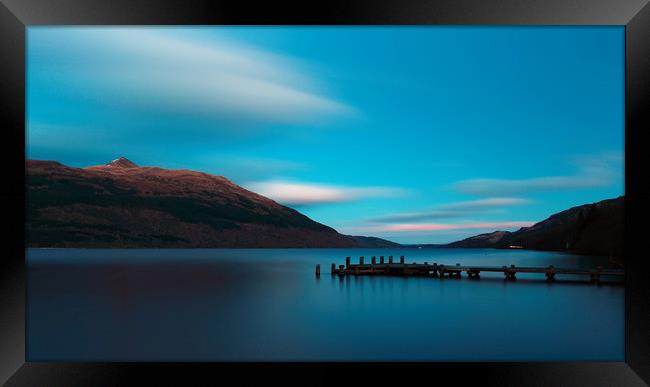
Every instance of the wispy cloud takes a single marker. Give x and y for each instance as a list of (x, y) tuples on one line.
[(454, 210), (593, 171), (428, 227), (155, 69), (296, 193)]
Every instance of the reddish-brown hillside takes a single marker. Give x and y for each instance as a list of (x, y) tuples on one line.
[(123, 205)]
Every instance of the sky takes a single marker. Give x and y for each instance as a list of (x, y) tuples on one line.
[(415, 134)]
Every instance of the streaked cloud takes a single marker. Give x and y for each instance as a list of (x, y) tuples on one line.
[(428, 227), (176, 73), (594, 171), (297, 193), (453, 210)]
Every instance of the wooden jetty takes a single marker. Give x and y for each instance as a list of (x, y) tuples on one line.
[(445, 271)]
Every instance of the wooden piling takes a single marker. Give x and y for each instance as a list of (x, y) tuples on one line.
[(360, 260), (374, 260), (390, 259), (347, 262), (550, 274), (401, 259), (333, 269), (381, 260), (595, 278), (317, 270)]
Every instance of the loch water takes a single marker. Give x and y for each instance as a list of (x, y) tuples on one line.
[(267, 305)]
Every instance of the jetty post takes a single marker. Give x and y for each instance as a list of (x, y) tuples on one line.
[(333, 269), (381, 260), (347, 262), (401, 259), (595, 278), (318, 270), (361, 260), (390, 259), (550, 274), (510, 273), (374, 260)]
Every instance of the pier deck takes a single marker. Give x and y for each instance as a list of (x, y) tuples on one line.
[(472, 272)]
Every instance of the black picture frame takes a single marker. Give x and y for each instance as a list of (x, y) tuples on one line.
[(16, 15)]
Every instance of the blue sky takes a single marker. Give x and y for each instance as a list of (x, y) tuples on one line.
[(415, 134)]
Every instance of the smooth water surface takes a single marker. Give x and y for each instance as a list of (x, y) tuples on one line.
[(267, 304)]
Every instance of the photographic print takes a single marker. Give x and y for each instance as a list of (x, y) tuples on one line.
[(334, 193)]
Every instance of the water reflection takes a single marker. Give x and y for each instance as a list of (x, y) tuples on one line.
[(209, 305)]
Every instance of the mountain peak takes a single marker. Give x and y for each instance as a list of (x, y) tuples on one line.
[(122, 162)]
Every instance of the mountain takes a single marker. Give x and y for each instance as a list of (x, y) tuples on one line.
[(482, 240), (373, 242), (121, 204), (596, 228)]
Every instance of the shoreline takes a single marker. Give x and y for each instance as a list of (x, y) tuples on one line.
[(320, 247)]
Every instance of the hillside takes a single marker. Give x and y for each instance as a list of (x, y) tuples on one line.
[(123, 205), (370, 242), (482, 240), (596, 228)]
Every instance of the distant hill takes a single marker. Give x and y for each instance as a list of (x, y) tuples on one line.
[(365, 241), (123, 205), (596, 228), (482, 240)]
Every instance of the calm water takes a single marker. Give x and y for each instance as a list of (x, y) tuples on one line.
[(239, 305)]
